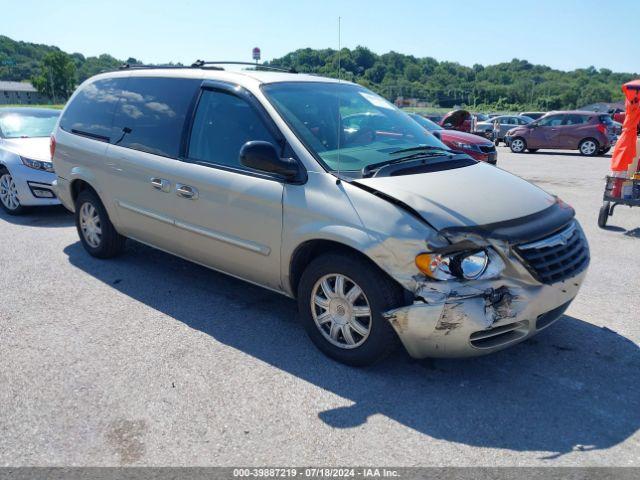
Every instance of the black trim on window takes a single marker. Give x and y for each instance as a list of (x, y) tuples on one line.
[(244, 94)]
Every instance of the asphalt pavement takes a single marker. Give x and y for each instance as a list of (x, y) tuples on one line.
[(151, 360)]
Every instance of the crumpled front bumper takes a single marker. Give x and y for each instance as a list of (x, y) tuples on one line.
[(469, 321)]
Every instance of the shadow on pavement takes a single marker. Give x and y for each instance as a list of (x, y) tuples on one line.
[(47, 216), (576, 386)]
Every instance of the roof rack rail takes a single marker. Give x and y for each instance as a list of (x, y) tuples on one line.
[(214, 64), (137, 66)]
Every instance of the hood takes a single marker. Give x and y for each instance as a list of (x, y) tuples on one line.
[(456, 118), (463, 137), (36, 148), (461, 197)]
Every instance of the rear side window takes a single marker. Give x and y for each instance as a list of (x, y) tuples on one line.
[(222, 125), (551, 121), (573, 119), (90, 113), (151, 114)]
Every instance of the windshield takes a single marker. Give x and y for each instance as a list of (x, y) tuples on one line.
[(36, 123), (346, 126), (425, 122)]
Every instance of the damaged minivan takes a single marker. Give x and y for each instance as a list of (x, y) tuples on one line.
[(323, 191)]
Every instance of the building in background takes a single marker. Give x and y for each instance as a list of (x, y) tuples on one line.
[(20, 93)]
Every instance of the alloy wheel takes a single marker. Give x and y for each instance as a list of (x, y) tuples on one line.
[(8, 192), (341, 311), (588, 147), (517, 145), (90, 225)]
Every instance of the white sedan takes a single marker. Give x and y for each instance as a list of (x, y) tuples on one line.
[(26, 171)]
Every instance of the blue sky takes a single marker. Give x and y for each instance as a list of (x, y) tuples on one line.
[(564, 34)]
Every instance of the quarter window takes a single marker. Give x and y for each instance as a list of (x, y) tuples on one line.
[(151, 114), (222, 125)]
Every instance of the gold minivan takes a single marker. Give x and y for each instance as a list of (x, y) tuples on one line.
[(323, 191)]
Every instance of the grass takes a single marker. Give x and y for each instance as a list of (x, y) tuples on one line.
[(57, 107)]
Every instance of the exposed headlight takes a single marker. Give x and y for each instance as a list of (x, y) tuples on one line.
[(37, 164), (462, 266)]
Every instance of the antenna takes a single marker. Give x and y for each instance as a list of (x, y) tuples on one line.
[(339, 79)]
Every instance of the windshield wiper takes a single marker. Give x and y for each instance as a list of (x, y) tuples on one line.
[(419, 148), (369, 170)]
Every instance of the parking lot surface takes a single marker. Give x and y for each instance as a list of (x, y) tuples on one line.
[(151, 360)]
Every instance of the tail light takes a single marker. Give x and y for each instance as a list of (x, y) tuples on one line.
[(52, 146), (602, 128)]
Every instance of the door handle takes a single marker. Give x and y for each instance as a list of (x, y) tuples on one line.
[(161, 184), (186, 191)]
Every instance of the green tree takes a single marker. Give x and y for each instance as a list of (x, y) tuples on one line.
[(57, 76)]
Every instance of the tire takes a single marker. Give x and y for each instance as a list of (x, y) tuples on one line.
[(532, 150), (589, 147), (518, 145), (604, 151), (374, 337), (9, 200), (603, 216), (496, 142), (90, 213)]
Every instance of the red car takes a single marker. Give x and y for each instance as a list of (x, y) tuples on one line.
[(475, 146)]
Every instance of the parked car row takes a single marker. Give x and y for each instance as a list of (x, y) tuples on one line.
[(322, 191)]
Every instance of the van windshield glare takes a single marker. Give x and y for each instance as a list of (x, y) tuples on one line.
[(346, 121)]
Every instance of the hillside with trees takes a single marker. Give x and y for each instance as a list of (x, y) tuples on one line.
[(515, 85)]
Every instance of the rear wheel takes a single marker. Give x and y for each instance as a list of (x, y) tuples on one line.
[(341, 300), (518, 145), (588, 147), (9, 194), (97, 233), (603, 216), (604, 151)]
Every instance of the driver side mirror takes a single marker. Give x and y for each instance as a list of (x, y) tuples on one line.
[(263, 156)]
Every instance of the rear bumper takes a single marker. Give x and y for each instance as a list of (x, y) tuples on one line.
[(62, 189)]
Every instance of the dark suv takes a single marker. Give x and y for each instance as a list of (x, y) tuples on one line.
[(589, 132)]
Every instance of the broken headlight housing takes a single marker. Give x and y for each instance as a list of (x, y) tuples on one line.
[(469, 265)]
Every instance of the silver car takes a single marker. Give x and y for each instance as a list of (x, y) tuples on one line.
[(497, 127), (380, 231), (26, 171)]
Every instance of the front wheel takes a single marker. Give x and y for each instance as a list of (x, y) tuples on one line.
[(588, 147), (341, 300), (97, 233), (9, 195), (518, 145)]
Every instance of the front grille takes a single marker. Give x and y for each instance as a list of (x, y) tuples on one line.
[(557, 257), (487, 148)]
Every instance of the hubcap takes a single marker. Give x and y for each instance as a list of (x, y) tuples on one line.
[(588, 147), (517, 145), (8, 192), (341, 311), (90, 225)]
